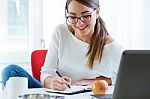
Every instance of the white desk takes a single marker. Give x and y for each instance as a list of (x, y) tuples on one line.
[(3, 94)]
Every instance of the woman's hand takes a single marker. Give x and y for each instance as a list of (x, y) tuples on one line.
[(57, 83), (84, 82)]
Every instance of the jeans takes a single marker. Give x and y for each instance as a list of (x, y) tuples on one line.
[(16, 71)]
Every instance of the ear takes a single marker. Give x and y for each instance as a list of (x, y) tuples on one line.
[(97, 12)]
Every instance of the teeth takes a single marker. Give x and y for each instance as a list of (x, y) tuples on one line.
[(81, 28)]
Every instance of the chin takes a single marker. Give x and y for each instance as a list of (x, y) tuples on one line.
[(83, 33)]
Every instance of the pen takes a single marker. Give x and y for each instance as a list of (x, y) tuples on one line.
[(61, 76)]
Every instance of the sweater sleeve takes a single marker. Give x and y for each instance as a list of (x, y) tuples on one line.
[(51, 60), (115, 61)]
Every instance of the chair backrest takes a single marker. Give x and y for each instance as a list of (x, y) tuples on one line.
[(37, 61)]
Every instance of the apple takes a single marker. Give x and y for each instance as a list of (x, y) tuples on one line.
[(99, 87)]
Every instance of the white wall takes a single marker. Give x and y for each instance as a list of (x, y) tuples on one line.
[(128, 22), (53, 14)]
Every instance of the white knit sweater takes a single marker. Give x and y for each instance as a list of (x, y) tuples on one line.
[(68, 54)]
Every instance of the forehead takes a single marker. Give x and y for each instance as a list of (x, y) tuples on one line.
[(76, 7)]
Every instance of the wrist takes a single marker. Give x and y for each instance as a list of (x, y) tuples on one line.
[(108, 80), (48, 82)]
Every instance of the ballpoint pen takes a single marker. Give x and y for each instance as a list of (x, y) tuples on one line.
[(61, 76)]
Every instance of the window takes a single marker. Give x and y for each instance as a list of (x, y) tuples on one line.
[(20, 29), (14, 26)]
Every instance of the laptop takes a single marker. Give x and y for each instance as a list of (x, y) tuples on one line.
[(133, 79)]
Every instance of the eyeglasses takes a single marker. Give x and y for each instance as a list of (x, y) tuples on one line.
[(84, 18)]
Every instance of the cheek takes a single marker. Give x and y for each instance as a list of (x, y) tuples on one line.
[(92, 24), (73, 26), (93, 21)]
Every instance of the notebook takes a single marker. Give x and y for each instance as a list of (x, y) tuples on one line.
[(72, 90), (133, 79)]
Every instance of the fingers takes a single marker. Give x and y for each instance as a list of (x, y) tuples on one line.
[(59, 86), (59, 83), (67, 79)]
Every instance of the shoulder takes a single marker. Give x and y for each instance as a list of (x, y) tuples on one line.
[(61, 28), (61, 33), (109, 40), (112, 44)]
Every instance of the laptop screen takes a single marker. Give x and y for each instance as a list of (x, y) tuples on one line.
[(133, 79)]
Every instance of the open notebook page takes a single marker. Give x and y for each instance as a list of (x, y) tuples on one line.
[(72, 90)]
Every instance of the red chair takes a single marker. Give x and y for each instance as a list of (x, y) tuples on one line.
[(37, 61)]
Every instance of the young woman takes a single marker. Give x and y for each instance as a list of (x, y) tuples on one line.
[(80, 50)]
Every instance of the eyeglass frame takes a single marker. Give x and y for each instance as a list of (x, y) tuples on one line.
[(77, 18)]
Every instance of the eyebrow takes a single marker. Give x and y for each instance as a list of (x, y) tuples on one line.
[(81, 12)]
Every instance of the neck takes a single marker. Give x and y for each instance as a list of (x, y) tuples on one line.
[(86, 38)]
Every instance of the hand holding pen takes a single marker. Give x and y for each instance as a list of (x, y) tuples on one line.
[(61, 77)]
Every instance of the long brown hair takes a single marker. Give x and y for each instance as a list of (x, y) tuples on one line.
[(98, 39)]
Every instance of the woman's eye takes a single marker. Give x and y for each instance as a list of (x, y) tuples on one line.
[(86, 16), (72, 17)]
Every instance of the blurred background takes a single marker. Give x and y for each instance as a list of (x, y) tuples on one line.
[(27, 25)]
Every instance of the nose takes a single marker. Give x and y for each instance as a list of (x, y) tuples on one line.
[(79, 22)]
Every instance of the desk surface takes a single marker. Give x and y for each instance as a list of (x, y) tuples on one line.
[(3, 94)]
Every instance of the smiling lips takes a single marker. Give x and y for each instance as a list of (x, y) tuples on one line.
[(82, 28)]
